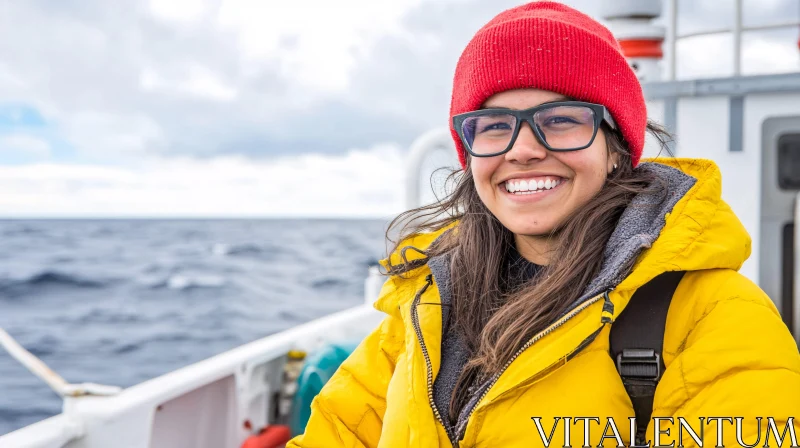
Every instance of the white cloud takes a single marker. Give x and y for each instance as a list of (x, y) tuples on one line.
[(25, 145), (314, 41), (197, 81), (212, 77), (182, 11), (359, 183), (113, 136)]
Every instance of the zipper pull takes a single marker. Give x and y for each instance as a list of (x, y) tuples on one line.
[(607, 315)]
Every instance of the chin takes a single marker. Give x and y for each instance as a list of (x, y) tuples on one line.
[(526, 227)]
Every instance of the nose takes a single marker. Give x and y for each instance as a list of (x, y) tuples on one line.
[(527, 148)]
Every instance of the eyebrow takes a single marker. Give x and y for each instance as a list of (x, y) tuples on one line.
[(557, 100)]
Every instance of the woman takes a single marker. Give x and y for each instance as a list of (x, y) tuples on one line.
[(500, 305)]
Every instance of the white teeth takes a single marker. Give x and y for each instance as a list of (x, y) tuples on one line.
[(532, 186)]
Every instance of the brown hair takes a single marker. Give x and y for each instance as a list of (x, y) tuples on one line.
[(495, 324)]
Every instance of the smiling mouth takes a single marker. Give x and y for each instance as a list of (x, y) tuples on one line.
[(520, 187)]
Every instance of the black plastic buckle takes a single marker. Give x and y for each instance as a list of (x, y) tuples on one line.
[(639, 363)]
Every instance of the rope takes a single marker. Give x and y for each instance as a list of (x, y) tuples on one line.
[(48, 375)]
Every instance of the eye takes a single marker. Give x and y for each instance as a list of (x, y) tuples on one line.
[(498, 126), (560, 120), (494, 124)]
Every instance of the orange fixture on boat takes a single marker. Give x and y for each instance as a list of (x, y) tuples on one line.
[(272, 436)]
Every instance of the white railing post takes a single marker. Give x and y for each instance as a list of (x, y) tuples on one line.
[(373, 285), (672, 38), (737, 38), (422, 147)]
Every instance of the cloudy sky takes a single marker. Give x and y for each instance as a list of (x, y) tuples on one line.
[(257, 107)]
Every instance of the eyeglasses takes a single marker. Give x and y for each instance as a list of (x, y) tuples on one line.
[(559, 126)]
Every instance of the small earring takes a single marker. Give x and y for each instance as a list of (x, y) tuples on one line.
[(615, 166)]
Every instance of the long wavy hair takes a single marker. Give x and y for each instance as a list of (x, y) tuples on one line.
[(496, 323)]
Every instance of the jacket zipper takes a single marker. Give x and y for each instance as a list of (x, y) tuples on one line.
[(533, 340), (429, 366)]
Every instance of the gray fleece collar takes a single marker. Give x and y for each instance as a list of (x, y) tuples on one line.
[(638, 227)]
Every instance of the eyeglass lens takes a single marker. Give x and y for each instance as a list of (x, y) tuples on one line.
[(562, 127)]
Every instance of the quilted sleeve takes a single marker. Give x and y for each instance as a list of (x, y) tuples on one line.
[(348, 412), (736, 358)]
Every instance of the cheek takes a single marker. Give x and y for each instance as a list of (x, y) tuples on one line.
[(482, 171), (589, 169)]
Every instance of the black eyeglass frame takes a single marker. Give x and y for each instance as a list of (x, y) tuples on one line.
[(601, 114)]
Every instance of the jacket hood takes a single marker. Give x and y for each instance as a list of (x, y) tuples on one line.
[(692, 229), (700, 232)]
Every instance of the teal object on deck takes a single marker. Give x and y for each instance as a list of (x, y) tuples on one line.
[(318, 368)]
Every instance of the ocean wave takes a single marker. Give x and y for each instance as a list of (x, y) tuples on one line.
[(126, 348), (41, 351), (263, 252), (47, 279), (172, 338), (27, 415), (328, 283), (44, 346), (105, 316), (179, 281), (184, 282), (23, 230), (223, 249)]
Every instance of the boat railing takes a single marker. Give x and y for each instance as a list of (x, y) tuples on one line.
[(736, 32)]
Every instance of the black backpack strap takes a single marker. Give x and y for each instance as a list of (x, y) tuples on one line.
[(636, 340)]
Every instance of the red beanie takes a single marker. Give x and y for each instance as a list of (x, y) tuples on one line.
[(550, 46)]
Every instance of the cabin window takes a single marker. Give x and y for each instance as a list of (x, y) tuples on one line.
[(789, 161)]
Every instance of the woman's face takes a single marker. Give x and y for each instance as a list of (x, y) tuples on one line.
[(577, 175)]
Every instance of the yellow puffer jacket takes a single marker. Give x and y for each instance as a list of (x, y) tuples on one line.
[(726, 350)]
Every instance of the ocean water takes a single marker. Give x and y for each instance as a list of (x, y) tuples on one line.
[(118, 302)]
